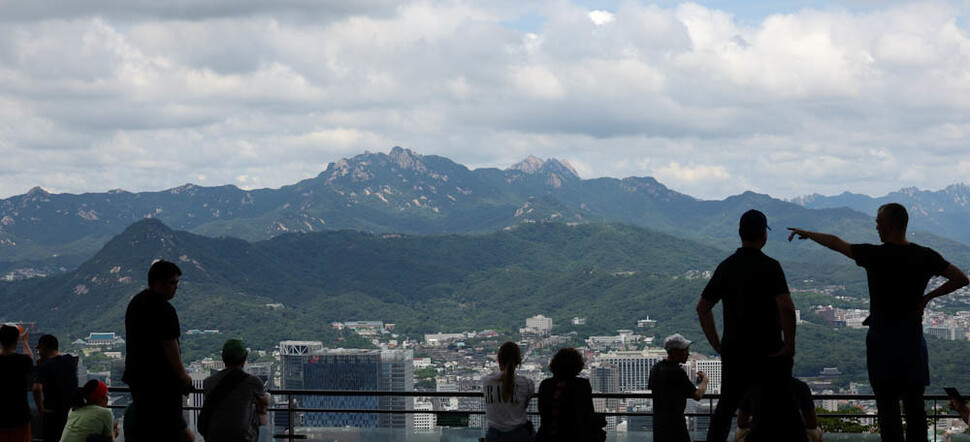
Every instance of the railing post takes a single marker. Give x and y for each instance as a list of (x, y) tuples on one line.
[(291, 404)]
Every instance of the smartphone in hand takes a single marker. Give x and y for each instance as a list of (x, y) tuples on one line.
[(954, 394)]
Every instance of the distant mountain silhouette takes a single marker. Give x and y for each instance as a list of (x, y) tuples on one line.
[(944, 212), (405, 192)]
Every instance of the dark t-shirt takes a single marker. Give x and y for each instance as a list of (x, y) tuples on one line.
[(800, 392), (58, 375), (897, 275), (149, 321), (748, 282), (671, 387), (15, 376)]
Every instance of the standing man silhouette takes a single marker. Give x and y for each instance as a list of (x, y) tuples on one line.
[(756, 360), (153, 363), (898, 272)]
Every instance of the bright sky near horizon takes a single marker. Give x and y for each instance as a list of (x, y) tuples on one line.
[(712, 98)]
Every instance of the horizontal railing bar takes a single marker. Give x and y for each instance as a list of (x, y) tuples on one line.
[(481, 412), (478, 394)]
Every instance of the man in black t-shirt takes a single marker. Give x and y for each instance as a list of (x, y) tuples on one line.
[(55, 380), (15, 373), (758, 310), (898, 272), (671, 387), (153, 363)]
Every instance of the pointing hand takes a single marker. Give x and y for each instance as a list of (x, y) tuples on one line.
[(802, 234)]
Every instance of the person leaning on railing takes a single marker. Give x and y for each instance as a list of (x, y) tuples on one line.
[(566, 403), (802, 395), (506, 399), (89, 419)]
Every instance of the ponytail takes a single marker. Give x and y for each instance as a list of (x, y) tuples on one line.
[(83, 396), (509, 357)]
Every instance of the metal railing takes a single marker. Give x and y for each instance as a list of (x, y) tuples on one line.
[(291, 408)]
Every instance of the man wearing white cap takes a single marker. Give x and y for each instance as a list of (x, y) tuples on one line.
[(671, 387)]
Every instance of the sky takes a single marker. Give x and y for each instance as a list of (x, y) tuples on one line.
[(711, 98)]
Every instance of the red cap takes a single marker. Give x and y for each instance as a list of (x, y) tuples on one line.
[(98, 392)]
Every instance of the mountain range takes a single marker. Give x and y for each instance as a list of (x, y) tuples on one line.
[(945, 212), (405, 192)]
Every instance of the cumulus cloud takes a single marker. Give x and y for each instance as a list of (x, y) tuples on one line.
[(601, 17), (146, 95)]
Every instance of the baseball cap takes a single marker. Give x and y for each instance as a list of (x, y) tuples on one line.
[(676, 342), (234, 350), (753, 221)]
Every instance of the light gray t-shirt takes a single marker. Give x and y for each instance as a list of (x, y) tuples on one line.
[(506, 415), (235, 418)]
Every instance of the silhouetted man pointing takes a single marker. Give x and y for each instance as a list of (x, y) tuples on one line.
[(898, 272)]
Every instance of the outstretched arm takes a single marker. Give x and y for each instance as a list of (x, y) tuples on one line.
[(831, 241), (705, 314), (955, 279)]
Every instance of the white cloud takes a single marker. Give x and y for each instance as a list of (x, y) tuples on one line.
[(812, 100), (537, 81), (601, 18), (691, 174)]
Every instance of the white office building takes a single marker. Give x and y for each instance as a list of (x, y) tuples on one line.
[(539, 324)]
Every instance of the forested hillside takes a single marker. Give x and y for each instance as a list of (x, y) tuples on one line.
[(611, 274)]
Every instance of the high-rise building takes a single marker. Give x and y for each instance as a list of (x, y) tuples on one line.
[(604, 379), (424, 422), (539, 324), (293, 354), (352, 369), (632, 367), (712, 368), (341, 369), (397, 374)]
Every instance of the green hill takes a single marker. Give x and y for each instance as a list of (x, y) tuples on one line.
[(611, 274)]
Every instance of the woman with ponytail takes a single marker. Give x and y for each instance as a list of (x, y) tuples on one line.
[(89, 418), (506, 399)]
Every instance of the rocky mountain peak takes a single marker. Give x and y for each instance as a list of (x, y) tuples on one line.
[(535, 165), (37, 192), (407, 159), (530, 165)]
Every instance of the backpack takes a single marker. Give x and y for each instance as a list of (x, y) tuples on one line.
[(214, 399)]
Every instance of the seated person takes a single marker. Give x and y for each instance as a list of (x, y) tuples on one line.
[(566, 403), (803, 399), (89, 415)]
